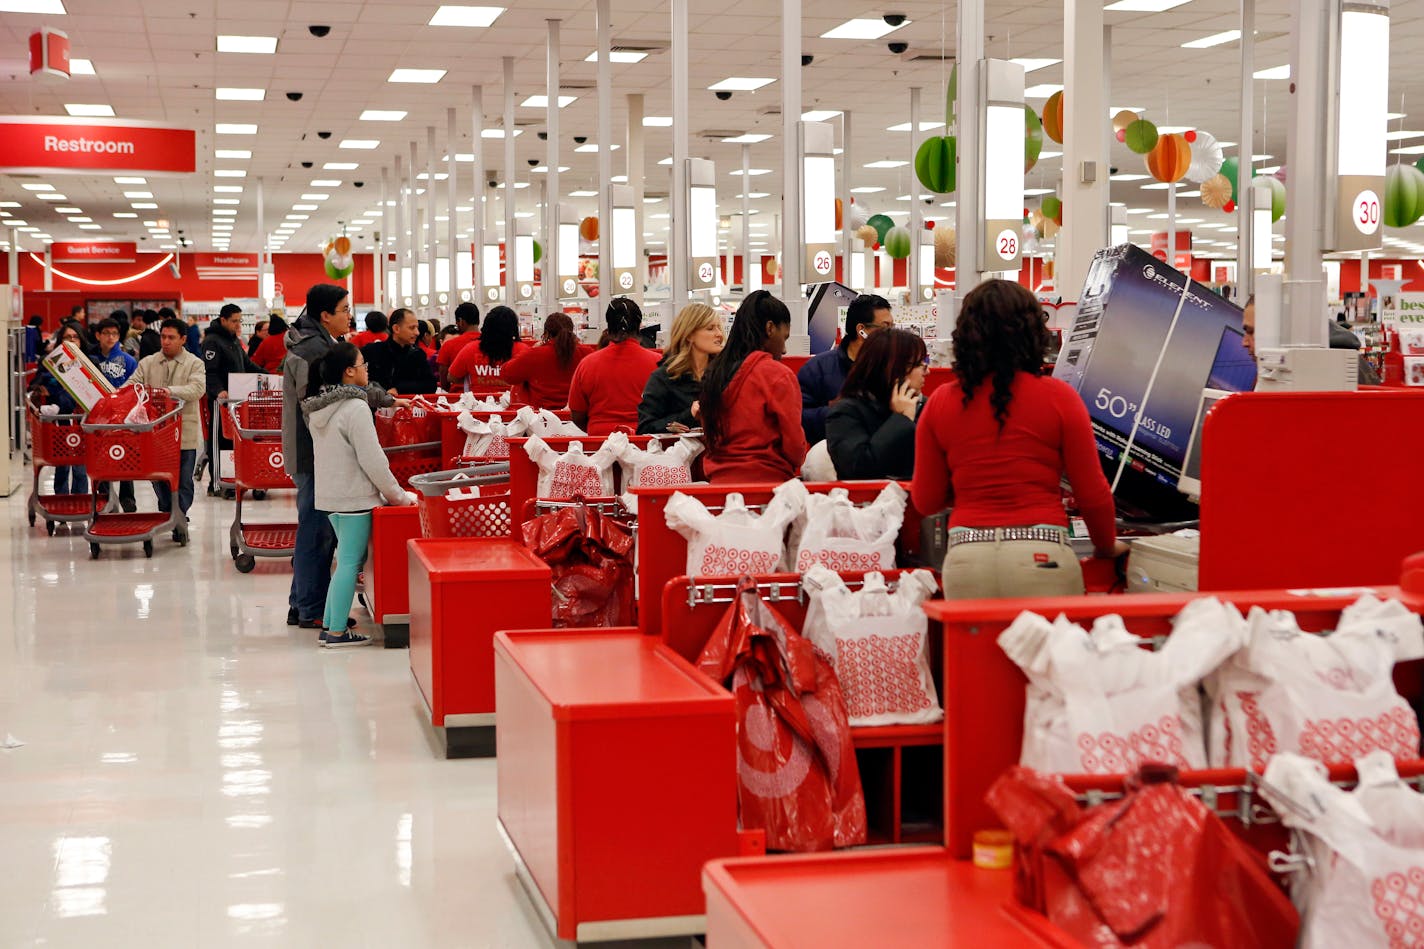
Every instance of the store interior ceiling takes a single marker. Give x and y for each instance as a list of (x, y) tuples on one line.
[(158, 61)]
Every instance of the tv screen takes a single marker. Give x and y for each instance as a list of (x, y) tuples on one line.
[(825, 314)]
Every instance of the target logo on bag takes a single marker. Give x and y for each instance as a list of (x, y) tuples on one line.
[(117, 452), (1398, 906), (723, 561), (275, 460), (73, 439), (663, 476), (1110, 753), (571, 480)]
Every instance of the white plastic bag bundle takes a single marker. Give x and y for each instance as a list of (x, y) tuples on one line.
[(487, 439), (467, 402), (735, 541), (656, 466), (837, 534), (1099, 703), (546, 424), (572, 474), (1331, 698), (878, 642), (141, 413)]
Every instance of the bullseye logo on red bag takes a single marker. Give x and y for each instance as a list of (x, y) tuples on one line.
[(663, 476)]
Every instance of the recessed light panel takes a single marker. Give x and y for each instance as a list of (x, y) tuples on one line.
[(247, 44), (455, 15), (236, 128), (740, 84), (542, 102), (81, 67), (89, 110), (863, 29), (416, 75), (364, 144), (383, 115), (619, 56), (1215, 39), (236, 94)]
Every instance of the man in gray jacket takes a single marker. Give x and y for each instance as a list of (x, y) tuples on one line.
[(326, 318), (182, 374)]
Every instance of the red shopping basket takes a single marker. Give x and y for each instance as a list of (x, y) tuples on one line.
[(407, 461), (258, 463), (464, 502), (140, 451)]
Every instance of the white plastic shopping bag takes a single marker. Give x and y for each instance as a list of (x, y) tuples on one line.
[(546, 424), (141, 413), (878, 642), (736, 540), (467, 402), (839, 535), (487, 439), (656, 466), (573, 474)]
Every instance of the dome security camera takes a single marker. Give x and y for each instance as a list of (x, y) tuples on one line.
[(320, 29), (493, 184), (929, 202), (294, 96), (807, 59), (359, 184), (723, 94), (898, 48), (580, 139), (895, 19), (543, 136), (306, 164), (323, 135), (533, 162)]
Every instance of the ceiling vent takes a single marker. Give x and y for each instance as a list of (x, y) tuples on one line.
[(926, 54), (769, 110), (640, 46), (717, 135)]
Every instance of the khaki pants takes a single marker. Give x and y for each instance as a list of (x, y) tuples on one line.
[(1011, 568)]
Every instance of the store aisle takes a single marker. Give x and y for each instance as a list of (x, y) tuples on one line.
[(197, 773)]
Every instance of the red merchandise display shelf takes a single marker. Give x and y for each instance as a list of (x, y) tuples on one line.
[(616, 780), (890, 899), (461, 591), (387, 588)]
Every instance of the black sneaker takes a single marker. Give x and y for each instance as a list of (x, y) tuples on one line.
[(292, 618), (348, 638)]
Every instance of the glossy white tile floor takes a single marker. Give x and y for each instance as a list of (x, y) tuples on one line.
[(196, 773)]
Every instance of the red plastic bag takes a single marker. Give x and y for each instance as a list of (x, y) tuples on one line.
[(403, 426), (591, 557), (126, 406), (797, 777), (1155, 869)]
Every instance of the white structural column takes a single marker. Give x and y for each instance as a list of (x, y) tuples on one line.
[(414, 235), (452, 220), (1303, 319), (511, 289), (633, 167), (477, 189), (266, 243), (1245, 225), (395, 236), (848, 232), (549, 286), (791, 240), (917, 224), (679, 254), (383, 242), (432, 243), (1085, 146), (747, 220), (603, 27), (968, 210)]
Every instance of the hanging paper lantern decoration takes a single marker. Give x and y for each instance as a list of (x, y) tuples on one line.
[(1169, 159), (858, 215), (1206, 156), (1403, 195), (1141, 136), (882, 225), (538, 252), (338, 263), (1033, 139), (588, 228), (867, 235), (946, 246), (1052, 208), (1122, 120), (342, 245), (1228, 168), (1053, 117), (840, 214), (897, 242), (934, 163), (1216, 191), (1229, 207), (1418, 164), (773, 268), (1050, 228), (1028, 240), (1278, 195)]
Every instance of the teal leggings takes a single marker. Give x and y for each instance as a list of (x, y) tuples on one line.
[(353, 533)]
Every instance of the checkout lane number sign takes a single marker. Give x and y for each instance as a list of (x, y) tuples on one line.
[(1365, 212), (822, 262), (1006, 244)]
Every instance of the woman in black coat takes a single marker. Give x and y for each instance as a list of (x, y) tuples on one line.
[(670, 397), (870, 429)]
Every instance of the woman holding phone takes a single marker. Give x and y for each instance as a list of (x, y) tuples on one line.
[(870, 429)]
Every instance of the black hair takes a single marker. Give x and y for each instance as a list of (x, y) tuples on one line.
[(885, 359), (276, 325), (139, 316), (1001, 331), (397, 317), (747, 335), (446, 332), (76, 326), (324, 298), (173, 323), (166, 312), (423, 330), (467, 313), (499, 335), (228, 310), (330, 369), (862, 312), (119, 316), (109, 324), (35, 320), (376, 321), (259, 326), (623, 318), (559, 331)]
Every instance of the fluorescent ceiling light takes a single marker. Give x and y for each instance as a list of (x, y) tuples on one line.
[(230, 173), (665, 161), (542, 102), (1275, 72), (227, 189), (751, 138), (619, 56), (924, 127), (1262, 157), (306, 207), (1401, 135), (235, 153), (498, 133), (227, 200), (144, 206), (1408, 150), (51, 7), (125, 214), (38, 187), (81, 220), (454, 15), (1043, 90), (593, 147), (1129, 177), (863, 29), (383, 115), (1143, 6), (544, 170), (1029, 65), (298, 217), (138, 194), (867, 189), (326, 183), (416, 75), (754, 172), (1157, 186), (819, 115), (740, 84), (583, 194), (340, 166), (1215, 39), (1032, 192), (89, 227), (886, 163), (360, 143), (54, 196), (69, 210), (247, 44), (316, 196), (81, 67), (89, 110), (224, 212), (232, 94), (657, 121), (236, 128), (129, 180), (754, 194), (1044, 156)]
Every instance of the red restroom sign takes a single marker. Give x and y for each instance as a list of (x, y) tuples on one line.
[(49, 144)]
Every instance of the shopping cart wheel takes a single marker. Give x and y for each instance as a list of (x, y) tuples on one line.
[(49, 526), (244, 563), (259, 495), (32, 519), (148, 548), (93, 551), (228, 494)]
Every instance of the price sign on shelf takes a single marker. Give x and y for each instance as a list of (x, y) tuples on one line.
[(1365, 212)]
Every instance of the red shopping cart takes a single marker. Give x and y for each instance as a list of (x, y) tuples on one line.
[(58, 441), (258, 466), (134, 451), (464, 502)]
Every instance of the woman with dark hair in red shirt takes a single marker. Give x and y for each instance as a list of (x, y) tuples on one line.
[(542, 375), (478, 366), (751, 403), (608, 385), (996, 443)]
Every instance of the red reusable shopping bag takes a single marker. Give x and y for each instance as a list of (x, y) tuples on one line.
[(591, 558), (404, 426), (797, 777), (115, 409)]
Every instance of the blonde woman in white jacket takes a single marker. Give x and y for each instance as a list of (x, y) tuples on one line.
[(351, 473)]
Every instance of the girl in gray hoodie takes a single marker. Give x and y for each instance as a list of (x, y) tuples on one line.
[(351, 473)]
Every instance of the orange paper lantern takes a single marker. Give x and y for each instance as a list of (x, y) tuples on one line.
[(588, 228), (839, 212), (343, 246), (1053, 117), (1169, 159)]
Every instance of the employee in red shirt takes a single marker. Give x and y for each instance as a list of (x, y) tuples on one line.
[(542, 376), (751, 403), (272, 350), (467, 320), (478, 365), (608, 385), (996, 443)]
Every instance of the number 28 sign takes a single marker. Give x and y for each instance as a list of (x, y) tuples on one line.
[(1006, 244)]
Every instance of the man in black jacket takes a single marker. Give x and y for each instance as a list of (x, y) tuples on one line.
[(396, 363), (223, 354)]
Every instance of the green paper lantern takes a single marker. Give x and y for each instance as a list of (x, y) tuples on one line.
[(1403, 195), (1228, 168), (1419, 164), (1278, 195), (935, 163), (897, 242), (1033, 139), (338, 273), (1140, 136), (1052, 208), (882, 225), (538, 252)]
